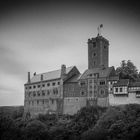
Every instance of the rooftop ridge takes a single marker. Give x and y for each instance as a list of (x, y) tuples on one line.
[(53, 71)]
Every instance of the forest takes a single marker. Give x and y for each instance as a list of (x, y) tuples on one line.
[(90, 123)]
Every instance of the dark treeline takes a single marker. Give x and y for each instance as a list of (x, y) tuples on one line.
[(90, 123)]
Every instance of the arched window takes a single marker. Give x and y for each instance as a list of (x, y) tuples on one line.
[(102, 92)]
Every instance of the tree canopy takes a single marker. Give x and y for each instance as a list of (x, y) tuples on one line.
[(127, 70)]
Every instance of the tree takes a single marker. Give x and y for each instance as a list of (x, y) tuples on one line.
[(127, 70), (36, 130)]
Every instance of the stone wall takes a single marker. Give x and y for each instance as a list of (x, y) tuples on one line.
[(122, 99), (73, 104)]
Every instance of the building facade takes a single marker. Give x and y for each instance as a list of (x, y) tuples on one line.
[(65, 91), (125, 92)]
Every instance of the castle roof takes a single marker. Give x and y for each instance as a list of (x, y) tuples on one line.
[(56, 74), (103, 72), (74, 79), (121, 82), (134, 84)]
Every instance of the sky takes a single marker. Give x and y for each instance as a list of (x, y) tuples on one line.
[(39, 36)]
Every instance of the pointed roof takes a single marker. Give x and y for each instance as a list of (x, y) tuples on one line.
[(74, 79), (121, 82), (103, 72), (134, 84), (56, 74)]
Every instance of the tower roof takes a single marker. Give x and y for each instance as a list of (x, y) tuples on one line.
[(103, 72)]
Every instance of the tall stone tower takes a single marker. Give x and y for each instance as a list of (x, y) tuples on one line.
[(98, 48)]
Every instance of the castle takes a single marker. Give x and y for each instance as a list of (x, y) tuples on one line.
[(65, 91)]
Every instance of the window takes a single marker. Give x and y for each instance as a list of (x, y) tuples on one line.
[(48, 92), (30, 87), (43, 93), (102, 92), (105, 47), (30, 94), (34, 94), (37, 102), (137, 94), (111, 89), (116, 89), (94, 63), (94, 54), (34, 86), (52, 101), (120, 89), (94, 44), (26, 87), (90, 86), (48, 84), (102, 82), (56, 91), (38, 93), (82, 93), (53, 84), (43, 102), (96, 75), (82, 83), (38, 86), (43, 85), (90, 75), (58, 83)]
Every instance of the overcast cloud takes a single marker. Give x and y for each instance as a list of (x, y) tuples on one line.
[(39, 36)]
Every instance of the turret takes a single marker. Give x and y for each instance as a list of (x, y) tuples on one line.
[(63, 71), (29, 80)]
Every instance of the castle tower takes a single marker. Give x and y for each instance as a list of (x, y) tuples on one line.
[(98, 51)]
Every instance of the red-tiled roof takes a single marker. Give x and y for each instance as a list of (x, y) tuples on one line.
[(134, 84), (50, 75), (122, 82), (74, 78), (102, 72)]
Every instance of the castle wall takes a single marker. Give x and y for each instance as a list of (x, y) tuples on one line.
[(73, 104), (43, 97), (122, 99)]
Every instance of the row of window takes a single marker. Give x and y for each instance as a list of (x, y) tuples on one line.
[(91, 81), (41, 102), (102, 92), (70, 100), (134, 88), (42, 85), (118, 90), (94, 45), (42, 93)]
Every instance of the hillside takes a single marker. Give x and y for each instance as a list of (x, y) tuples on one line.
[(90, 123)]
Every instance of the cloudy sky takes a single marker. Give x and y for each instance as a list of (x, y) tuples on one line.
[(39, 36)]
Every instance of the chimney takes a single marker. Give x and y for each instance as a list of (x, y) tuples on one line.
[(63, 71), (41, 77), (29, 80), (35, 74)]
